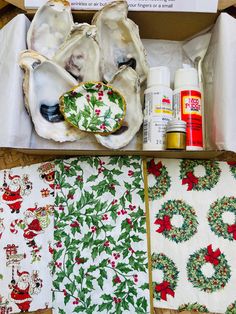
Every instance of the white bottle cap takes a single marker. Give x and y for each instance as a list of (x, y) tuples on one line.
[(186, 77), (158, 76)]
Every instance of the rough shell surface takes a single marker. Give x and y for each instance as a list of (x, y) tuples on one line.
[(80, 54), (127, 82), (119, 40), (46, 82), (50, 27)]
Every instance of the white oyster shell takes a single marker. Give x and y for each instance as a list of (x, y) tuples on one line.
[(80, 54), (44, 83), (50, 27), (127, 82), (119, 40)]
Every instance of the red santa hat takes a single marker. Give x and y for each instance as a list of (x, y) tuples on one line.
[(13, 177), (19, 274), (32, 209)]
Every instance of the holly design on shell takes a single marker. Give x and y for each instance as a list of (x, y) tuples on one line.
[(165, 289), (202, 183), (217, 259), (94, 107), (162, 180), (215, 214), (168, 230)]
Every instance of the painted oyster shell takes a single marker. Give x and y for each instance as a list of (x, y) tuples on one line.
[(50, 27), (127, 82), (119, 40), (94, 107), (80, 54), (44, 83)]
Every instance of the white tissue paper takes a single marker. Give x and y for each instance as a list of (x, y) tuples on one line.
[(15, 124), (219, 68)]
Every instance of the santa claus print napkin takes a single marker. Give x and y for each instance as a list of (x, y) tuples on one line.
[(193, 234), (101, 260), (26, 236)]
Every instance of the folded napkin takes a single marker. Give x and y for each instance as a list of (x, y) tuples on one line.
[(26, 236), (101, 261), (193, 234)]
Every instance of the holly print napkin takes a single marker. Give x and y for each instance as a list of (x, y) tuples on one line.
[(26, 236), (100, 250), (193, 234)]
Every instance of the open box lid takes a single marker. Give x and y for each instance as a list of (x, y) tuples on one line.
[(223, 4), (177, 25)]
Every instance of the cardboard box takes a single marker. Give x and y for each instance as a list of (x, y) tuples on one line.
[(153, 25)]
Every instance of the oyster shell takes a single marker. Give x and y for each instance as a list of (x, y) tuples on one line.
[(119, 40), (44, 83), (50, 27), (127, 82), (80, 54)]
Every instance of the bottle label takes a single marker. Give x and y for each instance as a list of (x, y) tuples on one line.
[(158, 112), (188, 107)]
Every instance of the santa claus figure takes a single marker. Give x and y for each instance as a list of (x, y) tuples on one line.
[(14, 191), (47, 173), (20, 291), (34, 225)]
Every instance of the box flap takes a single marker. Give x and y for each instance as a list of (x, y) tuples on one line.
[(223, 4)]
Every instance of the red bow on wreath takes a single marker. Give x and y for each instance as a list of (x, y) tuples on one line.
[(191, 180), (232, 229), (155, 169), (212, 257), (232, 163), (164, 224), (164, 289)]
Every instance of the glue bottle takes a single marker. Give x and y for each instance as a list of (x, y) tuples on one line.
[(158, 108), (187, 106)]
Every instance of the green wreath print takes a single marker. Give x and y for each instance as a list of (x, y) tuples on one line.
[(217, 225), (232, 166), (195, 307), (189, 226), (170, 271), (203, 183), (221, 275), (162, 180), (231, 308)]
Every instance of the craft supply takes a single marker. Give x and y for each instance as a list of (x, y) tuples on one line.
[(187, 106), (100, 239), (176, 134), (26, 238), (193, 234), (94, 107), (158, 108)]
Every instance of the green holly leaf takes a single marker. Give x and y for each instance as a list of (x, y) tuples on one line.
[(79, 309), (92, 178), (92, 268), (66, 299), (95, 252), (61, 311), (100, 282), (144, 286), (123, 267)]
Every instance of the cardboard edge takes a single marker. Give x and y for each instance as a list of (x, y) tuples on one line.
[(211, 154)]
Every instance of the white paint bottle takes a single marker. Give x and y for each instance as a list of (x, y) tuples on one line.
[(187, 106), (158, 108)]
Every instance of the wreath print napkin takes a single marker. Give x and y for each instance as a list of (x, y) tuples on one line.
[(26, 236), (101, 262), (193, 234)]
